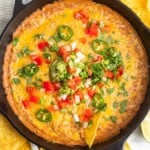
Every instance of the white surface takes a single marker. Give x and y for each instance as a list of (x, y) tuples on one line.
[(136, 140)]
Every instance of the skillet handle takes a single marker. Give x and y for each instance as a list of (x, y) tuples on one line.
[(19, 5)]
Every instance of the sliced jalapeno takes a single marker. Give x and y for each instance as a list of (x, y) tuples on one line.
[(29, 70), (43, 115), (99, 45), (58, 70), (65, 32), (98, 102)]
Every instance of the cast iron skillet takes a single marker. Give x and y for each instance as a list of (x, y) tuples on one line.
[(116, 142)]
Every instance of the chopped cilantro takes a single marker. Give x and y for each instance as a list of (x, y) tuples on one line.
[(15, 80), (15, 41), (110, 90), (113, 119)]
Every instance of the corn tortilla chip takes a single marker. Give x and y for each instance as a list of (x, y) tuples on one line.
[(10, 139)]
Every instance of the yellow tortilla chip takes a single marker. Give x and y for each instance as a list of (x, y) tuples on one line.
[(90, 132), (141, 8), (10, 139)]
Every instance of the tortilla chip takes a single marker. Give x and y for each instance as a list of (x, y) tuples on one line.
[(10, 139), (141, 8), (90, 132)]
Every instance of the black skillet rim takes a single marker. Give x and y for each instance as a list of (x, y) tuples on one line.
[(124, 133)]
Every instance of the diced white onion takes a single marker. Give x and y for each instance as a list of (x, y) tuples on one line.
[(86, 96), (73, 45), (78, 70), (77, 98), (77, 60), (76, 118), (85, 124), (104, 79), (80, 55), (63, 97), (88, 83)]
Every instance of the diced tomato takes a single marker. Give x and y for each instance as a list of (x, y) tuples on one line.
[(76, 50), (91, 92), (80, 94), (87, 115), (31, 90), (109, 74), (72, 84), (26, 104), (63, 104), (100, 85), (120, 72), (82, 15), (34, 99), (51, 108), (71, 70), (65, 54), (37, 59), (48, 86), (97, 58), (56, 85), (83, 40), (92, 30), (77, 79), (42, 45)]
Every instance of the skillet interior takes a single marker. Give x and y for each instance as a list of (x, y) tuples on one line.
[(6, 37)]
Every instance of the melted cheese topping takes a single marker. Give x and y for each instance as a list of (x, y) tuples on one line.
[(114, 91)]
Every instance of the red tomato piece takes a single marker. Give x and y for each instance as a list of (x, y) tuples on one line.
[(109, 74), (88, 113), (63, 104), (64, 53), (92, 30), (91, 92), (34, 99), (77, 79), (51, 108), (42, 45), (120, 71), (72, 84), (56, 85), (83, 40), (82, 15), (97, 58), (48, 86), (26, 104), (37, 59), (31, 90)]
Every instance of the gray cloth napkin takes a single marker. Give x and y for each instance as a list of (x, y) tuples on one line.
[(6, 11)]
